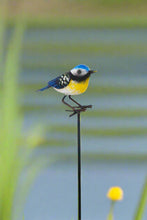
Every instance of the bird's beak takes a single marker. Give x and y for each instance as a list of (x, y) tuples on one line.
[(92, 71)]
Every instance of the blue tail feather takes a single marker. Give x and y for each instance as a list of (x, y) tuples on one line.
[(44, 88)]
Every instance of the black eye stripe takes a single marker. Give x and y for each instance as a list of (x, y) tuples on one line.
[(79, 71)]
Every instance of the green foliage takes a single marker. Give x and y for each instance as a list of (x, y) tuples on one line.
[(14, 152), (104, 132), (82, 22), (112, 1), (142, 203), (82, 48), (10, 163)]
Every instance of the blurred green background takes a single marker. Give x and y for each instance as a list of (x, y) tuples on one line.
[(109, 36)]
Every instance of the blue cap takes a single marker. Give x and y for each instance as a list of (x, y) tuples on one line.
[(82, 66)]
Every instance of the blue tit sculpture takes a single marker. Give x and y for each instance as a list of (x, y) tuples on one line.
[(73, 82)]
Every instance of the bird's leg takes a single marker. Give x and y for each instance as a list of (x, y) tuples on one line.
[(81, 106), (65, 103), (74, 101), (73, 109)]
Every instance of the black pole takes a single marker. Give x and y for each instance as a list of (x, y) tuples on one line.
[(77, 110), (79, 165)]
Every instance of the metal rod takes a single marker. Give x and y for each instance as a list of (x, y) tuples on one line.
[(77, 110), (79, 165)]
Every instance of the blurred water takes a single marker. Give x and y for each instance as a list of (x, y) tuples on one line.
[(54, 193), (90, 35)]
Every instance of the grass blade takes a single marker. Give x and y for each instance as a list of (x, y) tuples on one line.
[(142, 203)]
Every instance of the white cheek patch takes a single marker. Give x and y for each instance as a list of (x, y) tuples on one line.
[(75, 72)]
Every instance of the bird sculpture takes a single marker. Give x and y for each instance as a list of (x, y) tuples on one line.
[(73, 82)]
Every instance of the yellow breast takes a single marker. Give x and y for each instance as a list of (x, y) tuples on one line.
[(78, 87)]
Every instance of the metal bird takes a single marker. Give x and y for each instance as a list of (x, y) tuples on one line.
[(71, 83)]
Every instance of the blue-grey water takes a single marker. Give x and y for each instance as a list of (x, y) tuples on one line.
[(54, 193)]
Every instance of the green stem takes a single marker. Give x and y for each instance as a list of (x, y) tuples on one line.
[(110, 215), (142, 203)]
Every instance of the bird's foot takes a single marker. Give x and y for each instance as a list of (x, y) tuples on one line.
[(77, 109), (85, 106)]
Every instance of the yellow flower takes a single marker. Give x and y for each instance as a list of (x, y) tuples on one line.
[(115, 193)]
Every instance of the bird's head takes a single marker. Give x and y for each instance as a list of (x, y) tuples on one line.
[(81, 72)]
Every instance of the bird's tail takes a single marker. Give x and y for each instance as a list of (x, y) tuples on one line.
[(44, 88)]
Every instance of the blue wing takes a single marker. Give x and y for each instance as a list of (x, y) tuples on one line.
[(58, 83), (55, 83)]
